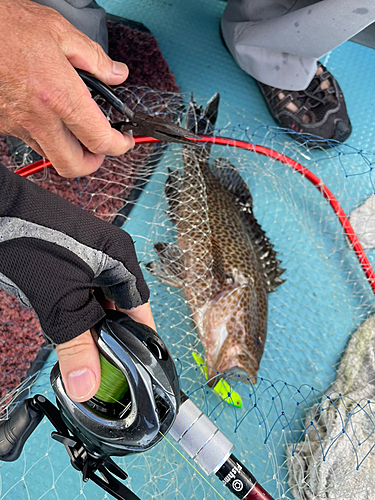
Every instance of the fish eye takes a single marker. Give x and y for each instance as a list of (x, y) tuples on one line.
[(259, 340)]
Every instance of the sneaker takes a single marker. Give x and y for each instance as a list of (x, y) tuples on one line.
[(320, 112)]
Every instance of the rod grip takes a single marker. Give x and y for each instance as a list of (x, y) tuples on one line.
[(15, 431), (200, 437)]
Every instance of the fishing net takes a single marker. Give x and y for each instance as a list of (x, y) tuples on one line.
[(306, 429)]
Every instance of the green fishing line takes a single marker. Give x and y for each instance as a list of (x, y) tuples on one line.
[(113, 383)]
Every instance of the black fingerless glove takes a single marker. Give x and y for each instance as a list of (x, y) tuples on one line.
[(52, 253)]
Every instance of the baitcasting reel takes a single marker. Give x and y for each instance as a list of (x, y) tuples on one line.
[(141, 410), (138, 402)]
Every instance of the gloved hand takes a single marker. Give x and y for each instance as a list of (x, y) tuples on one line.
[(52, 254)]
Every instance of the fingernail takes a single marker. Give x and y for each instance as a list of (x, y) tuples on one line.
[(119, 68), (81, 382), (129, 136)]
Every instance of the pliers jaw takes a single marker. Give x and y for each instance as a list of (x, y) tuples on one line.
[(140, 123), (158, 128)]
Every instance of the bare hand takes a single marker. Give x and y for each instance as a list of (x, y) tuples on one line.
[(43, 100), (79, 358)]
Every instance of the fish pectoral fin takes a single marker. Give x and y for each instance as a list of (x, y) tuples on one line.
[(171, 268), (218, 268), (157, 270)]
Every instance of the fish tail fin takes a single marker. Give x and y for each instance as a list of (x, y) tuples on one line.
[(202, 121)]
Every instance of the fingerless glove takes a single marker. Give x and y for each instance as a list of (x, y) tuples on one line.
[(52, 253)]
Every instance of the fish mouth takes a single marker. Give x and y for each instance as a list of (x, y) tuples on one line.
[(235, 373), (235, 362)]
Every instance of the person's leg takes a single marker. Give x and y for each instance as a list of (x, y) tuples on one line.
[(366, 37), (278, 42), (85, 15)]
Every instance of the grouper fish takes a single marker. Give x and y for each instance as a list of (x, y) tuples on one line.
[(223, 261)]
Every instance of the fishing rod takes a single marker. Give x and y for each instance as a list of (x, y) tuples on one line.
[(138, 402)]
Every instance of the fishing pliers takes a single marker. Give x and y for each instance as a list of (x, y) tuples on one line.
[(139, 123)]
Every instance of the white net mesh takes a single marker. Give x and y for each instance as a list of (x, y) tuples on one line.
[(301, 437)]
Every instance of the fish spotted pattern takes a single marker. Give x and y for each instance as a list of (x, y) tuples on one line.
[(223, 261)]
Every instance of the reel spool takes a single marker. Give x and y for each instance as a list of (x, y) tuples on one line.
[(135, 406), (139, 395)]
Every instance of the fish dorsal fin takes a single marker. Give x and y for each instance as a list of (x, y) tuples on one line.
[(228, 176), (266, 253), (226, 173)]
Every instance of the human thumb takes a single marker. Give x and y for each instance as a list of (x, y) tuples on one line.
[(80, 367), (85, 54)]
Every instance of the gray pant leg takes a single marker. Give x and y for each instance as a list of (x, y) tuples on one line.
[(85, 15), (278, 42), (366, 36)]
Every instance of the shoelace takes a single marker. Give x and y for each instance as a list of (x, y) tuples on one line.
[(312, 96)]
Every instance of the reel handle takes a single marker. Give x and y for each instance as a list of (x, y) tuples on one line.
[(15, 431)]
